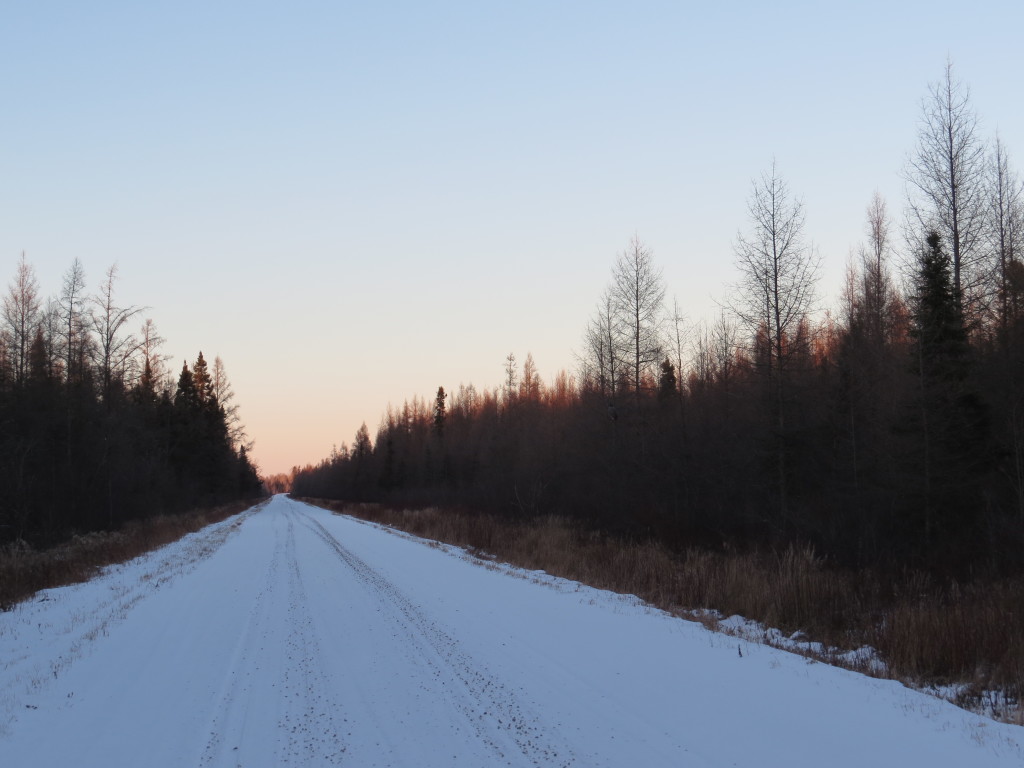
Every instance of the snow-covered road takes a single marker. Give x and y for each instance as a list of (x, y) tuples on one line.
[(289, 636)]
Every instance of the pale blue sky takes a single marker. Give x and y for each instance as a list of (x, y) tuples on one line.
[(355, 203)]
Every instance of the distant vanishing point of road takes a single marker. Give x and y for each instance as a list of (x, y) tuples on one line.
[(289, 636)]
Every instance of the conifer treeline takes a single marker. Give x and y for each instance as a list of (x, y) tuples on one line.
[(93, 431), (888, 434), (904, 453)]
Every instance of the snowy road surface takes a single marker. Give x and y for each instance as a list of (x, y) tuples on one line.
[(292, 637)]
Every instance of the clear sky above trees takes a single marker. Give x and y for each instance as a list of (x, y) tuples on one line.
[(353, 203)]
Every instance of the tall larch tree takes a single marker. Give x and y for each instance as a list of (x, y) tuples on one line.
[(946, 178), (222, 390), (116, 349), (778, 278), (639, 293), (1006, 236), (21, 307), (75, 342)]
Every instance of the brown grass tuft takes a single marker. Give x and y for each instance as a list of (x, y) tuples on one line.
[(24, 571)]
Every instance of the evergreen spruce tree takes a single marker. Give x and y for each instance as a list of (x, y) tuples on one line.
[(439, 411), (248, 478), (940, 339), (203, 381), (145, 390), (38, 363), (951, 421), (667, 380), (185, 396)]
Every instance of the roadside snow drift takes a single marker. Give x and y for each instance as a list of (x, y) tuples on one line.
[(288, 636)]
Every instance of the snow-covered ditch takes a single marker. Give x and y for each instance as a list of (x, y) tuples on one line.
[(990, 703)]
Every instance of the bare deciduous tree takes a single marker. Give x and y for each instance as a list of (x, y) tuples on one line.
[(604, 352), (225, 395), (778, 275), (6, 373), (871, 299), (74, 342), (678, 341), (21, 315), (639, 292), (724, 347), (50, 322), (114, 350), (151, 363), (531, 386), (778, 270), (1006, 232), (946, 174), (510, 379)]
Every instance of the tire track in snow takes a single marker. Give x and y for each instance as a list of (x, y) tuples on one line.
[(231, 710), (493, 711), (315, 719), (306, 715)]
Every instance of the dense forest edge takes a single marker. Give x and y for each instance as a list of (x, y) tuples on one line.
[(95, 432), (885, 436)]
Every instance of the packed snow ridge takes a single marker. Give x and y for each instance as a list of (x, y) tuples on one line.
[(289, 636)]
